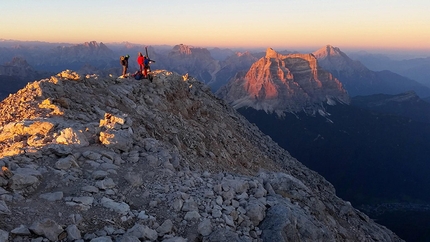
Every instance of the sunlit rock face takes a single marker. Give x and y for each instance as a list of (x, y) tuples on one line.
[(284, 83)]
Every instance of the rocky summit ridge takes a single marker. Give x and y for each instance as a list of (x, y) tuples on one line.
[(284, 83), (88, 158)]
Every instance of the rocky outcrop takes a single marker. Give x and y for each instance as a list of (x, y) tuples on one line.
[(284, 83), (105, 159)]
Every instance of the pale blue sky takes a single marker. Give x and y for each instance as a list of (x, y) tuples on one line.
[(283, 24)]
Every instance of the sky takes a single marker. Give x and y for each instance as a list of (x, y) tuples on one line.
[(279, 24)]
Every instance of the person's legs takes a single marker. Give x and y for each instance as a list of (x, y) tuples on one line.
[(124, 70)]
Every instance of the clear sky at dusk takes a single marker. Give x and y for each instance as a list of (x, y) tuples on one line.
[(286, 24)]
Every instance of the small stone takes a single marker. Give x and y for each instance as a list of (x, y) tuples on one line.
[(192, 215), (21, 230), (55, 196), (4, 208), (205, 227), (73, 232), (165, 227)]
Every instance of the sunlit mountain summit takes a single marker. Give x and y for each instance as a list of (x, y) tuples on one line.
[(284, 83)]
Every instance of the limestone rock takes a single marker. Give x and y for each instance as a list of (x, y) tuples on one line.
[(205, 227), (116, 139), (4, 208), (119, 207), (55, 196), (21, 230), (71, 136), (4, 236), (48, 228)]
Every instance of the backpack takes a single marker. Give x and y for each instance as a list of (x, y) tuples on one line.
[(122, 60), (138, 75)]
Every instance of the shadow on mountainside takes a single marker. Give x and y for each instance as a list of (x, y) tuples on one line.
[(376, 161)]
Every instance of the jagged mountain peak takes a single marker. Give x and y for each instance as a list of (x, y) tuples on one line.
[(284, 83), (91, 44), (328, 50), (188, 50), (240, 54), (333, 59), (271, 53), (19, 62), (183, 49), (95, 45), (156, 160)]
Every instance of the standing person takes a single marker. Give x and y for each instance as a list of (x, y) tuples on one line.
[(124, 63), (140, 59), (146, 66)]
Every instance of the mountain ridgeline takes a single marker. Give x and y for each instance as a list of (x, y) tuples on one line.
[(88, 157), (359, 80), (215, 67)]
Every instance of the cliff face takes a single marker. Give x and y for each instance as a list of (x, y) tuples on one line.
[(114, 159), (284, 83)]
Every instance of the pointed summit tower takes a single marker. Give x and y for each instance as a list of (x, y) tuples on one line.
[(333, 59), (284, 83)]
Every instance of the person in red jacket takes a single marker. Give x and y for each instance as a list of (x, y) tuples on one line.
[(140, 60)]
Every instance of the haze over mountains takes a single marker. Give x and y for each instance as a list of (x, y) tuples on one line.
[(92, 57), (416, 69), (359, 80)]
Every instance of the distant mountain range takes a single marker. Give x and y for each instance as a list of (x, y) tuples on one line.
[(359, 80), (215, 67), (16, 74), (417, 69)]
